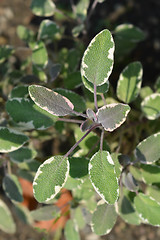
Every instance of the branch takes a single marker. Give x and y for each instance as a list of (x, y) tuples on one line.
[(95, 97), (103, 98), (92, 9), (101, 141), (70, 120), (79, 114), (80, 140)]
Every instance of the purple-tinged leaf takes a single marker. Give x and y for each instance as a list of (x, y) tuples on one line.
[(91, 114), (86, 125), (50, 101), (130, 182), (111, 116)]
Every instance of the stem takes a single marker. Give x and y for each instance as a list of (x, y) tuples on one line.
[(95, 97), (79, 114), (93, 147), (92, 9), (80, 140), (103, 98), (101, 141), (9, 167), (68, 17), (73, 6), (70, 120)]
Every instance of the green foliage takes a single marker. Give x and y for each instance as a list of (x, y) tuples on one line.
[(129, 82), (6, 221), (97, 61), (50, 178), (110, 170), (101, 223)]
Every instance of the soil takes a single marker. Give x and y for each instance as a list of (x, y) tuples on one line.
[(144, 14)]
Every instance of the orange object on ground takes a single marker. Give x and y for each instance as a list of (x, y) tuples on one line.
[(62, 203)]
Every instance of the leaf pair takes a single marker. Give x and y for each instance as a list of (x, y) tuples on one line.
[(53, 173)]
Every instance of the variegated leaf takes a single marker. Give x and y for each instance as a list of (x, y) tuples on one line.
[(129, 82), (111, 116), (50, 178), (50, 101), (103, 176), (151, 107), (97, 61)]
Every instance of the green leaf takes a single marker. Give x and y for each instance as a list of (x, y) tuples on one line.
[(11, 140), (23, 154), (54, 71), (129, 82), (78, 167), (78, 101), (146, 173), (5, 52), (32, 165), (71, 231), (50, 101), (150, 173), (6, 221), (79, 217), (97, 61), (12, 188), (19, 91), (145, 91), (85, 191), (157, 85), (40, 74), (73, 80), (100, 89), (39, 55), (23, 214), (73, 183), (104, 218), (47, 30), (151, 107), (50, 178), (148, 150), (77, 30), (126, 209), (126, 38), (153, 192), (118, 167), (81, 9), (103, 177), (111, 116), (28, 115), (25, 34), (148, 209), (43, 7), (45, 213)]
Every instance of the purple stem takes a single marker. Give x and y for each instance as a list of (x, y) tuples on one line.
[(80, 140), (103, 98), (70, 120), (95, 97), (79, 114), (101, 141)]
